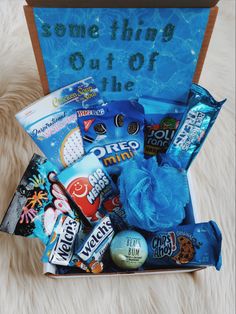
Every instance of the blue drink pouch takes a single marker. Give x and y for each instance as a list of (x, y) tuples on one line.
[(52, 121), (89, 185), (114, 133), (187, 245), (162, 118), (37, 202), (200, 116)]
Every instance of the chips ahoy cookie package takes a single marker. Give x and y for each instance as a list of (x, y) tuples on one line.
[(121, 122)]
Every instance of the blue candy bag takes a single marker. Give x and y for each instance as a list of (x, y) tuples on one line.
[(114, 133), (37, 202), (52, 121), (186, 245), (200, 116), (162, 118)]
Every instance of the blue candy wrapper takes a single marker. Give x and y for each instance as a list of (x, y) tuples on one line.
[(37, 202), (162, 118), (201, 114), (52, 121), (95, 245), (114, 133), (89, 185), (60, 247), (187, 245)]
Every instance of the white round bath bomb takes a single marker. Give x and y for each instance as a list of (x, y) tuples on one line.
[(129, 249)]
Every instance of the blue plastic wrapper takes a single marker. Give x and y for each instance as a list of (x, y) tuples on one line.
[(201, 114), (60, 247), (114, 133), (93, 248), (153, 197), (89, 185), (187, 245), (52, 121), (162, 118), (37, 202)]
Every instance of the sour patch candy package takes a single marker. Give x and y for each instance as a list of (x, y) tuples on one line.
[(37, 202), (114, 133), (52, 121), (89, 185)]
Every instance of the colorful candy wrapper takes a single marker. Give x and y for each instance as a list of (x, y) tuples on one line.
[(95, 245), (37, 202), (162, 118), (60, 247), (186, 245), (114, 133), (201, 114), (52, 121), (89, 185)]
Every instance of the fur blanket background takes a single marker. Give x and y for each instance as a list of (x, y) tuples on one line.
[(23, 287)]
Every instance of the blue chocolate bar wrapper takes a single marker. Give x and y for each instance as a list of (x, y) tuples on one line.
[(187, 245), (200, 116)]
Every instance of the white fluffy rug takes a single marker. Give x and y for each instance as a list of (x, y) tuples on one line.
[(23, 287)]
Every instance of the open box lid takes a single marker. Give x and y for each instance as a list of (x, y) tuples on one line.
[(128, 51), (121, 4)]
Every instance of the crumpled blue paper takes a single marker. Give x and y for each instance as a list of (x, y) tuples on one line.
[(153, 197)]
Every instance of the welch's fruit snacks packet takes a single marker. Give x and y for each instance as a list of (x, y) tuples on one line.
[(195, 125), (162, 118), (37, 202), (52, 121), (186, 245), (89, 185), (93, 248), (60, 247), (114, 133)]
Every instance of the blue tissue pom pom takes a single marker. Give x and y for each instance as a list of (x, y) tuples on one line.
[(153, 197)]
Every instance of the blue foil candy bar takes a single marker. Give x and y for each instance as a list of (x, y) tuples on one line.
[(187, 245), (201, 114)]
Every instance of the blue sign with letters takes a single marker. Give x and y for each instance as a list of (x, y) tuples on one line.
[(129, 52)]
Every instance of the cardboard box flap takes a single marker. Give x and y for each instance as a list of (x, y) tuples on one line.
[(123, 4)]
